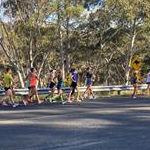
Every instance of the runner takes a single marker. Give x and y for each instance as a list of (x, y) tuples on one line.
[(148, 82), (9, 92), (51, 84), (89, 82), (135, 84), (60, 83), (32, 77), (73, 85), (59, 77)]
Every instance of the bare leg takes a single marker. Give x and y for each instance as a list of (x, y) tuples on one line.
[(37, 96), (33, 91), (91, 92), (8, 96), (134, 92), (149, 91), (11, 99), (52, 91), (11, 95), (78, 95), (70, 94), (60, 92), (86, 91), (3, 100)]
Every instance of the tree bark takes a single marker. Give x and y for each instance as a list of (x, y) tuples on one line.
[(129, 59), (41, 67), (20, 78), (14, 64), (31, 51), (60, 40)]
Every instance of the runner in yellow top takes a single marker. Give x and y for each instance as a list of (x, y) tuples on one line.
[(8, 86), (8, 79)]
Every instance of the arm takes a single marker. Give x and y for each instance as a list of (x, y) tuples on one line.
[(27, 77), (36, 76)]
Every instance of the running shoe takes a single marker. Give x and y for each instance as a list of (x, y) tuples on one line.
[(82, 98), (40, 102), (79, 101), (15, 105), (63, 102), (4, 104), (50, 100)]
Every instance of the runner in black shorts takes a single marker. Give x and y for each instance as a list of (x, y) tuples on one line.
[(51, 84), (89, 83), (73, 85), (59, 86)]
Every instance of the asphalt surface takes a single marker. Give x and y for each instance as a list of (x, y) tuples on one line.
[(102, 124)]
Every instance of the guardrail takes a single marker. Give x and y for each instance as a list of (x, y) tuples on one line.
[(42, 91)]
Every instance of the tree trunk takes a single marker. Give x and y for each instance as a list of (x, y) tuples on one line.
[(68, 40), (41, 67), (67, 63), (129, 59), (60, 41), (20, 78), (62, 57), (14, 64), (31, 51)]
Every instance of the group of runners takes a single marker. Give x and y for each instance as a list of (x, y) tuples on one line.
[(55, 82), (136, 81)]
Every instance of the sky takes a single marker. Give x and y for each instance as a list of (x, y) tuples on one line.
[(2, 12), (93, 7), (90, 8)]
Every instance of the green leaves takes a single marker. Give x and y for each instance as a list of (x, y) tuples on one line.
[(74, 11), (106, 38)]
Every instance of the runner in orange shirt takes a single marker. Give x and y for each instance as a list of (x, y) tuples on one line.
[(33, 78)]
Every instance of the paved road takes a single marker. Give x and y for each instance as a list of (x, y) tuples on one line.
[(102, 124)]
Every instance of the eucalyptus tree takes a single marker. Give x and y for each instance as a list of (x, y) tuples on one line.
[(28, 39), (104, 34), (133, 16)]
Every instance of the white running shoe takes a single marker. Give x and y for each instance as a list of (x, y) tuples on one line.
[(50, 100), (15, 105), (63, 102)]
